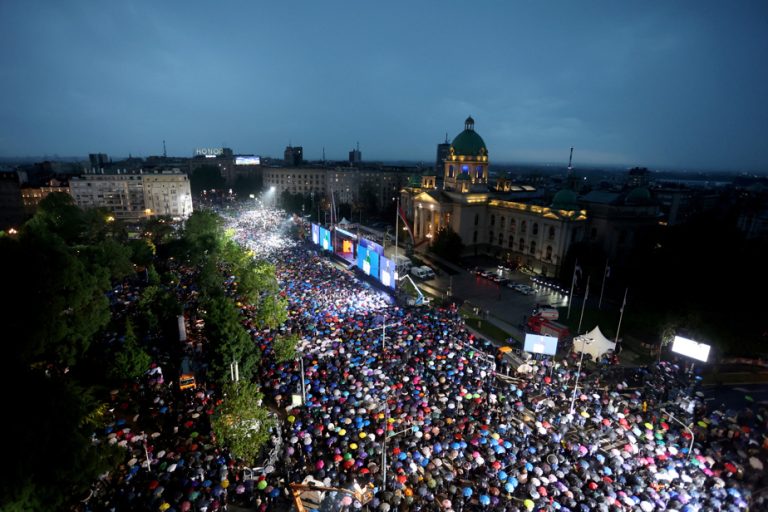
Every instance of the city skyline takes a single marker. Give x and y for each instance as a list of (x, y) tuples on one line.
[(658, 85)]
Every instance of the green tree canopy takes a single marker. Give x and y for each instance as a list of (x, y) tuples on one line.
[(240, 422), (447, 244), (228, 339)]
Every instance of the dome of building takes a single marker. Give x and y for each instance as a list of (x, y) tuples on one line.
[(468, 142), (638, 195), (565, 199)]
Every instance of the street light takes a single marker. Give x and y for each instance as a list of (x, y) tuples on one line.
[(578, 374), (412, 428), (686, 427)]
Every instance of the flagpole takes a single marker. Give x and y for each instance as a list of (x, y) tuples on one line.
[(583, 306), (602, 287), (397, 229), (621, 315), (573, 284)]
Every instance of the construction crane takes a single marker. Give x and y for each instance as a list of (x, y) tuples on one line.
[(420, 299)]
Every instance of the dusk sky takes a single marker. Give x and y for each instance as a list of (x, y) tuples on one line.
[(656, 83)]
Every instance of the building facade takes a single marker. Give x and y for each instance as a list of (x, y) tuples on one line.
[(135, 196), (496, 220)]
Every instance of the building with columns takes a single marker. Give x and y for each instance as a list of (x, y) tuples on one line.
[(495, 221)]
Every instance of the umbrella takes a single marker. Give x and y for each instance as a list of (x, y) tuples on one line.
[(756, 463)]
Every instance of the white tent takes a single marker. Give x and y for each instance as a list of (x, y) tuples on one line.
[(593, 343)]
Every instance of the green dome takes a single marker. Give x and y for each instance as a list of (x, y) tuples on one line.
[(468, 142), (565, 199), (639, 195)]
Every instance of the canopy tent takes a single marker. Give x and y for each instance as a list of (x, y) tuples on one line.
[(594, 343)]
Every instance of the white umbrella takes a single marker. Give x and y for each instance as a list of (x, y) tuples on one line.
[(756, 463)]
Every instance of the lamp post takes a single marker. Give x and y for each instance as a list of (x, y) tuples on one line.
[(686, 427), (384, 446), (303, 384), (576, 384)]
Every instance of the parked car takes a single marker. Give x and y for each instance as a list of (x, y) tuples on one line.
[(423, 272)]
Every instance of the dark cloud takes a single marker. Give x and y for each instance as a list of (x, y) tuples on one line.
[(656, 83)]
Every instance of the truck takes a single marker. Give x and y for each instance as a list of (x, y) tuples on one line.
[(545, 327), (547, 312), (187, 375)]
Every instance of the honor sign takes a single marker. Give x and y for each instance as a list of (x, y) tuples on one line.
[(209, 152)]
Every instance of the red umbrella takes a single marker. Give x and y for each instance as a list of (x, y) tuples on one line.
[(153, 484)]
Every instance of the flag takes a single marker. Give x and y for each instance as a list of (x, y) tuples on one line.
[(401, 213), (576, 270)]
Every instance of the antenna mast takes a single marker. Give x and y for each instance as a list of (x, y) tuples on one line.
[(165, 153), (570, 161)]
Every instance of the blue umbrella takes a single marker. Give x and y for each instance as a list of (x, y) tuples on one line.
[(467, 492), (485, 500)]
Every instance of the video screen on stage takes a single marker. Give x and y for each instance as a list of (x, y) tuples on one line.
[(387, 269), (373, 246), (537, 344), (368, 261), (315, 234), (690, 348), (325, 239)]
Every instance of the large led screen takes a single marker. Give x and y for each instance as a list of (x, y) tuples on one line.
[(368, 261), (387, 267), (325, 239), (690, 348), (247, 160), (315, 234), (537, 344), (378, 249)]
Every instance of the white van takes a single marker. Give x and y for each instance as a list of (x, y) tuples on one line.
[(402, 264), (423, 272)]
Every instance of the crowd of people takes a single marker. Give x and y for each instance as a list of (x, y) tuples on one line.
[(408, 402)]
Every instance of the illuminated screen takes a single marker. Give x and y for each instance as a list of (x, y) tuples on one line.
[(325, 239), (373, 246), (690, 348), (387, 267), (315, 234), (537, 344), (368, 261), (247, 160), (347, 246)]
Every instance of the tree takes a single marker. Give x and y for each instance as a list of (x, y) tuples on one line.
[(447, 244), (202, 236), (284, 347), (59, 302), (131, 361), (241, 423), (228, 339)]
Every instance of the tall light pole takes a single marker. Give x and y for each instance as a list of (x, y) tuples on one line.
[(686, 427), (384, 446), (578, 374)]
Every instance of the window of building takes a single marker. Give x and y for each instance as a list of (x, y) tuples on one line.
[(464, 168), (501, 238), (511, 242), (501, 222), (493, 219), (533, 247), (474, 237), (549, 253), (512, 225), (551, 232), (523, 227), (521, 245), (535, 229), (477, 218)]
